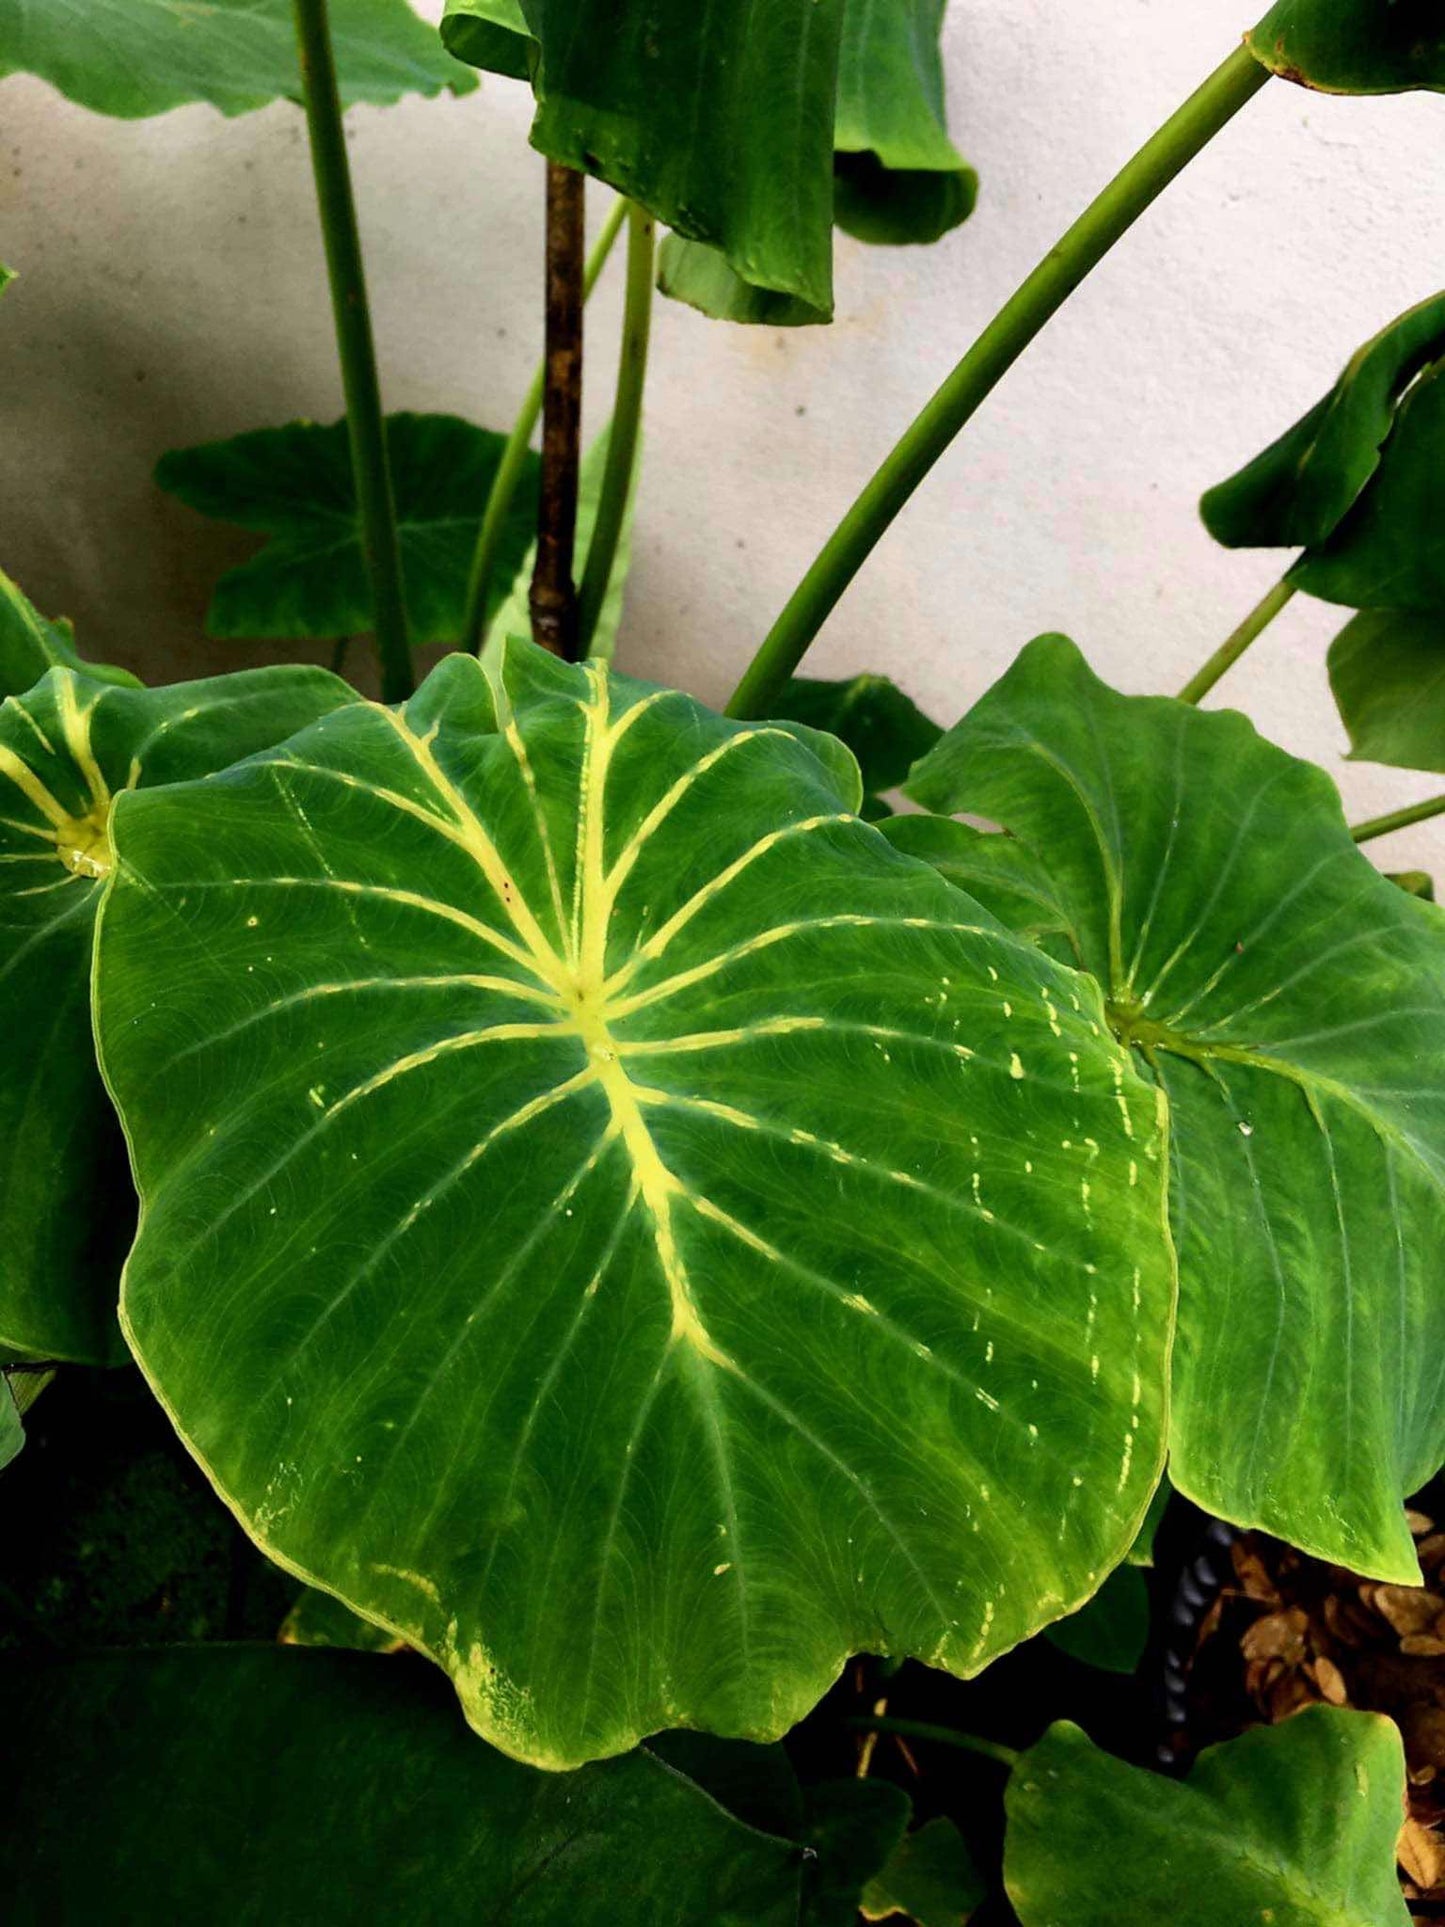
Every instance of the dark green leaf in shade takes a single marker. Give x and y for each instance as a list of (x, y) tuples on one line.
[(1300, 488), (998, 872), (317, 1619), (577, 1232), (67, 749), (1141, 1553), (1387, 671), (254, 1785), (1291, 1002), (294, 484), (1353, 46), (131, 58), (31, 643), (1111, 1631), (931, 1879), (853, 1827), (12, 1432), (1290, 1825), (717, 119), (1415, 883), (1389, 551), (885, 729)]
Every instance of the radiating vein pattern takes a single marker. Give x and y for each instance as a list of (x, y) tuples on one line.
[(1291, 1002), (614, 1220), (67, 748)]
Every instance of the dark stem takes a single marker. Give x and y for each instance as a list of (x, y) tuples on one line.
[(554, 592), (365, 422)]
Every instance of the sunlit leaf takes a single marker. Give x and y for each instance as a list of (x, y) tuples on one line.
[(1299, 489), (616, 1222), (1111, 1631), (254, 1784), (1353, 46), (931, 1879), (131, 58), (885, 729), (1389, 551), (30, 644), (67, 749), (1291, 1002), (1387, 671), (1290, 1825), (1000, 872), (718, 120), (294, 484)]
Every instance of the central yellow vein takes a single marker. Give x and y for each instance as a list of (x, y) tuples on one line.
[(658, 1187), (81, 838)]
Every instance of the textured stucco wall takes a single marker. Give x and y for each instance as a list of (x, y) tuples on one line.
[(173, 291)]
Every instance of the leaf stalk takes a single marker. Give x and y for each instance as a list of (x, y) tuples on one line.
[(356, 347), (1233, 647), (554, 591), (626, 424), (1115, 211), (944, 1735), (514, 456), (1398, 819)]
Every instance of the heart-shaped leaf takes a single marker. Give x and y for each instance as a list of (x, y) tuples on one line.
[(67, 749), (31, 643), (132, 58), (1291, 1002), (1387, 671), (1353, 46), (1389, 551), (1001, 872), (254, 1784), (897, 177), (295, 485), (1293, 1825), (718, 120), (613, 1220), (1296, 493), (931, 1879)]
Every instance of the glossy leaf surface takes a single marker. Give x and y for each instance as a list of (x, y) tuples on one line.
[(132, 58), (718, 120), (1293, 1825), (1353, 46), (1389, 551), (1387, 671), (294, 484), (931, 1880), (571, 1141), (885, 729), (257, 1784), (31, 643), (67, 748), (1300, 488), (1000, 872), (1291, 1002)]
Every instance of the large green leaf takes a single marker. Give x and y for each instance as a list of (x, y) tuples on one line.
[(717, 119), (31, 643), (255, 1785), (66, 750), (295, 485), (897, 177), (613, 1220), (1291, 1002), (1293, 1825), (1353, 46), (1299, 489), (131, 58), (1389, 551), (885, 729), (1001, 872), (1387, 671), (931, 1879)]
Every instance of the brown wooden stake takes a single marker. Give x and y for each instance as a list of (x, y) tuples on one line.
[(554, 590)]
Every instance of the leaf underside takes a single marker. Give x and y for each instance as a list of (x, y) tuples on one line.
[(614, 1221), (1353, 46), (133, 58), (67, 749), (1292, 1824), (1291, 1003), (295, 485)]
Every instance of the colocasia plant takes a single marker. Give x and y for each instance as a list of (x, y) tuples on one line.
[(609, 1208)]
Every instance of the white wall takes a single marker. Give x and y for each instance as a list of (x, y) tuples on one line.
[(173, 291)]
